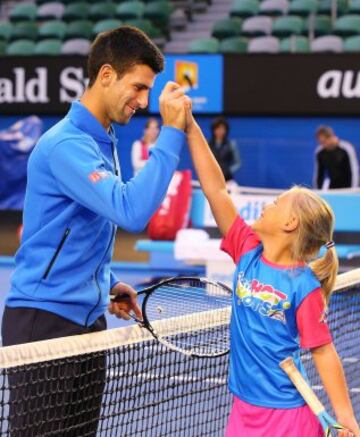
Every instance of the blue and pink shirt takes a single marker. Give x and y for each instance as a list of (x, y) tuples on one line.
[(276, 311)]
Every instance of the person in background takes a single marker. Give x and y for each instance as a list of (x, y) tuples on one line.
[(336, 162), (224, 150), (140, 148)]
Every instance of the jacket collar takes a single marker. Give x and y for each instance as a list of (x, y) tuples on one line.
[(87, 122)]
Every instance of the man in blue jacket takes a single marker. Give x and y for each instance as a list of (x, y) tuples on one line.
[(75, 199)]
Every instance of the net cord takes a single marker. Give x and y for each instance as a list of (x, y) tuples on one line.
[(58, 348)]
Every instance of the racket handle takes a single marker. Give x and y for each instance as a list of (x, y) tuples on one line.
[(298, 380)]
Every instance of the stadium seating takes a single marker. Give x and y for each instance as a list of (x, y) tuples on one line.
[(352, 44), (79, 29), (23, 11), (327, 44), (288, 25), (244, 8), (50, 11), (6, 30), (274, 8), (130, 9), (227, 28), (102, 11), (103, 25), (21, 47), (295, 44), (233, 45), (347, 25), (50, 47), (204, 45), (264, 44), (52, 29), (318, 25), (76, 11), (24, 30), (257, 26), (76, 46), (303, 7)]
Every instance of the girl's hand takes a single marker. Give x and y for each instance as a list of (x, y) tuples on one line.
[(352, 427)]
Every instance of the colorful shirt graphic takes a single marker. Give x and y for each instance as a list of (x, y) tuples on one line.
[(276, 309)]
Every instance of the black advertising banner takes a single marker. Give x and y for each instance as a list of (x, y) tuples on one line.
[(40, 85), (285, 84)]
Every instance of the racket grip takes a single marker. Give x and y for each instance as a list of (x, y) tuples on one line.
[(298, 380)]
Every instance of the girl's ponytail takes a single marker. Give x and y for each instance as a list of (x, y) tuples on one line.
[(325, 269)]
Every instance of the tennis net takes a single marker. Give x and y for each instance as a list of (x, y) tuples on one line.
[(123, 382)]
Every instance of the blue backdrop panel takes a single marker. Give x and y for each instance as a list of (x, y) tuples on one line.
[(276, 152)]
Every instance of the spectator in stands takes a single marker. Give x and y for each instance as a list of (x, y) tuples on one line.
[(140, 148), (224, 150), (336, 162)]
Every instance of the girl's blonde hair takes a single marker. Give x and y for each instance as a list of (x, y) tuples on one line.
[(316, 226)]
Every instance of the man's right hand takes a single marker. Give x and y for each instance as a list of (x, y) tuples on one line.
[(173, 105)]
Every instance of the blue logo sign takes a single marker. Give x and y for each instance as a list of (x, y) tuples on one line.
[(202, 77)]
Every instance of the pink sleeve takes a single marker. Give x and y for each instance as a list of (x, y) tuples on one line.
[(239, 239), (311, 321)]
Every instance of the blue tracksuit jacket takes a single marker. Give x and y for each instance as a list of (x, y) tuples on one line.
[(74, 200)]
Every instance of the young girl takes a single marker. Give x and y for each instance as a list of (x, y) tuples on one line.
[(140, 148), (280, 294)]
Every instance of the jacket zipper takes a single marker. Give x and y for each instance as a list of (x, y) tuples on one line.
[(96, 279), (116, 171), (56, 254)]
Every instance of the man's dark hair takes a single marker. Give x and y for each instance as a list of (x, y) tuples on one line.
[(326, 131), (123, 48)]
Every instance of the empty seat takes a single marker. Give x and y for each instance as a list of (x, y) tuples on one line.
[(244, 8), (79, 29), (326, 7), (303, 7), (159, 13), (24, 30), (347, 25), (352, 44), (6, 30), (274, 8), (23, 11), (286, 26), (204, 45), (21, 47), (104, 25), (264, 44), (102, 11), (233, 45), (48, 47), (327, 43), (50, 11), (354, 7), (295, 44), (130, 9), (318, 25), (227, 28), (52, 29), (76, 11), (3, 46), (257, 26), (77, 46)]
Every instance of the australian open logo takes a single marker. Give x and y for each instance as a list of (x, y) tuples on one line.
[(262, 298)]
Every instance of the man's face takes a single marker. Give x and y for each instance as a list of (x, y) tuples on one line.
[(129, 93), (327, 142)]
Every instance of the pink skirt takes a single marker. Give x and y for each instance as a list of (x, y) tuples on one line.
[(248, 420)]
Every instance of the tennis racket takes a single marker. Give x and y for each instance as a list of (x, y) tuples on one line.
[(187, 314), (328, 423)]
